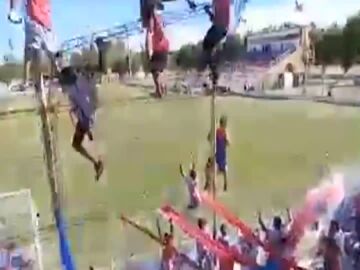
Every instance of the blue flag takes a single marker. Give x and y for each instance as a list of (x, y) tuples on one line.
[(67, 261)]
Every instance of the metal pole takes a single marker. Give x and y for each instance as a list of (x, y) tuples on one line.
[(48, 117), (128, 51), (213, 140)]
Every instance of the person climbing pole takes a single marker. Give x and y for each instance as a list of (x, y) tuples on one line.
[(220, 18), (38, 34), (157, 44)]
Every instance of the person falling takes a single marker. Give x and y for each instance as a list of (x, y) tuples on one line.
[(82, 114), (192, 186), (222, 143), (157, 49)]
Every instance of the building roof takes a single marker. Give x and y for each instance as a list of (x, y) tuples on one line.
[(276, 29)]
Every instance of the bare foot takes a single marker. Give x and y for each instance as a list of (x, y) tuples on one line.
[(99, 169)]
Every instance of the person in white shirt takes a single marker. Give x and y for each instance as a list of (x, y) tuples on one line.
[(192, 186)]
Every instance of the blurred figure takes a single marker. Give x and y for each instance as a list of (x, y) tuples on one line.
[(204, 258), (192, 186), (224, 263), (209, 173), (330, 252), (82, 114)]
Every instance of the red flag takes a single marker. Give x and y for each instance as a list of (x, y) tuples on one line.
[(212, 245)]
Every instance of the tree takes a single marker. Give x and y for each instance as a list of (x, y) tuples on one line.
[(136, 62), (116, 54), (10, 71), (90, 57), (233, 49), (76, 59), (329, 48), (188, 56), (351, 40)]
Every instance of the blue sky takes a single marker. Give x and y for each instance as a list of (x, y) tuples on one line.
[(78, 17)]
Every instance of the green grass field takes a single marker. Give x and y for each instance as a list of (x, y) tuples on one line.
[(277, 148)]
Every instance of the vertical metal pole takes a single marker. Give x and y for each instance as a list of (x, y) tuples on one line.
[(213, 142), (128, 51), (48, 130)]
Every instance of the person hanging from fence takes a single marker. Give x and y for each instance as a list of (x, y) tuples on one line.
[(157, 44), (219, 16), (38, 35), (82, 114)]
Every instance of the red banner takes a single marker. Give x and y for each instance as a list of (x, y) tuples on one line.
[(212, 245)]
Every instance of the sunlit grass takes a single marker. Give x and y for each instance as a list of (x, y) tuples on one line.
[(276, 150)]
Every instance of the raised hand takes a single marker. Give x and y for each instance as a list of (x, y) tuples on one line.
[(14, 18)]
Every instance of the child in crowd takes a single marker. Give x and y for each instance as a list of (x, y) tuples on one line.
[(192, 186), (209, 173)]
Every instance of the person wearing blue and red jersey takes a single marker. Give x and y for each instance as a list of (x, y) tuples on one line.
[(222, 142)]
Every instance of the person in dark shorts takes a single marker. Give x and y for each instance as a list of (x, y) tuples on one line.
[(82, 113), (157, 47), (158, 61), (220, 18)]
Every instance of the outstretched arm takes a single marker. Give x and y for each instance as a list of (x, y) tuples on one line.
[(289, 215), (181, 170), (261, 223), (193, 166), (159, 230), (171, 229), (209, 12), (227, 139)]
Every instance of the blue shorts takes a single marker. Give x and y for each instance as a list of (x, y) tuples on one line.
[(39, 37), (221, 164)]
